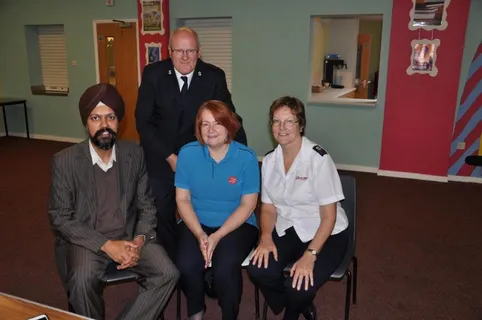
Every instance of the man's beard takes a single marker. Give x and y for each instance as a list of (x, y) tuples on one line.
[(104, 143)]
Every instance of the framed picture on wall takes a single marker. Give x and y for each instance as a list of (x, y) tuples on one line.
[(153, 52), (423, 57), (152, 17), (428, 15)]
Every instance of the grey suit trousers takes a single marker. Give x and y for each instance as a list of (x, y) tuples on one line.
[(158, 277)]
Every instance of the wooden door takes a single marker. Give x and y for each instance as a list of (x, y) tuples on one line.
[(117, 54), (363, 65)]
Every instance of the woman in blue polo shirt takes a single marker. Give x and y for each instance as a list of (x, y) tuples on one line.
[(217, 185)]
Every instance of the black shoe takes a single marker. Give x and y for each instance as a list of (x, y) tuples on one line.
[(310, 312)]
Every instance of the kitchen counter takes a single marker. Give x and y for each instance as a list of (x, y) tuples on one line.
[(332, 96)]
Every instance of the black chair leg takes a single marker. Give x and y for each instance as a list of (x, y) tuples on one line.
[(355, 277), (265, 310), (256, 301), (178, 303), (348, 295)]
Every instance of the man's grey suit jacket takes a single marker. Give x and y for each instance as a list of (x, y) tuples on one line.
[(73, 204)]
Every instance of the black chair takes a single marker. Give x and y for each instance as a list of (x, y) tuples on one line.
[(343, 270), (474, 160), (114, 276)]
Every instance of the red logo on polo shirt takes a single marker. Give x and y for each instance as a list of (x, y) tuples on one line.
[(232, 180)]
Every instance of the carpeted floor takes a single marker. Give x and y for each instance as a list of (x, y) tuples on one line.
[(419, 245)]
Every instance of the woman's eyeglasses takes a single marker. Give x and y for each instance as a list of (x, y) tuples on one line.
[(288, 123)]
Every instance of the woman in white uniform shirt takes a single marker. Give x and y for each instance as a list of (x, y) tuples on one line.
[(301, 217)]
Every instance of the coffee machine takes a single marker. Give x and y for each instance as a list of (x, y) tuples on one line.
[(330, 66)]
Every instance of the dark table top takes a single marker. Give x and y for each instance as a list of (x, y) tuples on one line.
[(8, 101)]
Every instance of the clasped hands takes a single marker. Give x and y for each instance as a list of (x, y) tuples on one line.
[(207, 244), (302, 270), (126, 253)]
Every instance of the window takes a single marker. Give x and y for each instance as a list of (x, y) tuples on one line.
[(345, 56), (215, 36), (47, 59), (53, 58)]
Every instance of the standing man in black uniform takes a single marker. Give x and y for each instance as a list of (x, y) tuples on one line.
[(169, 97)]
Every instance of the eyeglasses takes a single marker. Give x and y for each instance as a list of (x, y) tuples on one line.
[(181, 52), (288, 123)]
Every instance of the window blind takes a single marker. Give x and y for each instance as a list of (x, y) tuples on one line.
[(215, 35), (53, 57)]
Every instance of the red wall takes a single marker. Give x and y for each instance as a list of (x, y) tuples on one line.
[(155, 37), (420, 109)]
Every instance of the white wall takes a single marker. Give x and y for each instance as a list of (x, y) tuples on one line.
[(317, 50), (343, 39)]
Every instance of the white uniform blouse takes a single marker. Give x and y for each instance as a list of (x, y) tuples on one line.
[(311, 182)]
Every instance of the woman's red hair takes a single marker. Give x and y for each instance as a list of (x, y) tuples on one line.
[(222, 114)]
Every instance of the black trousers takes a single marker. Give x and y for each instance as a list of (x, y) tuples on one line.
[(226, 268), (81, 271), (165, 194), (277, 289)]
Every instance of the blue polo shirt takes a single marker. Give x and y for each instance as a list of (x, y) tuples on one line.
[(216, 188)]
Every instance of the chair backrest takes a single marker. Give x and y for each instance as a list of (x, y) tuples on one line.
[(349, 205), (348, 184)]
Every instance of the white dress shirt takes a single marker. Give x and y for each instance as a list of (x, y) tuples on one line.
[(179, 80), (97, 160), (312, 181)]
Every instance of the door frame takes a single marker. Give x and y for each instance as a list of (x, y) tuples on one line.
[(96, 48)]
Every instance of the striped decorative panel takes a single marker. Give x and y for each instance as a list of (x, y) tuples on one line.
[(468, 122)]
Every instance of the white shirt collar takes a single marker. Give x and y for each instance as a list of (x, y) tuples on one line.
[(300, 156), (305, 147), (179, 80), (97, 160)]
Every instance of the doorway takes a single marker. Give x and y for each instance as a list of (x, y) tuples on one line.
[(117, 63), (363, 65)]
